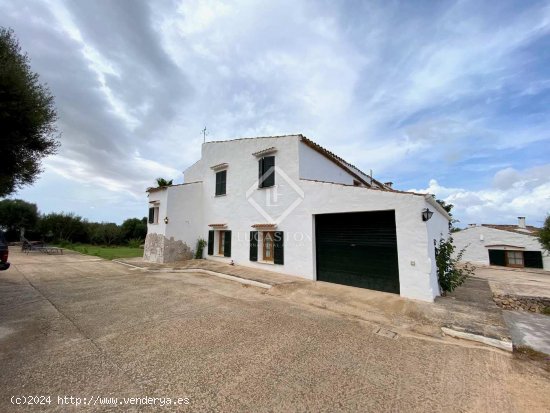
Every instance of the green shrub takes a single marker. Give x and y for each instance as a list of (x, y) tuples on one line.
[(450, 275), (201, 243), (135, 242), (65, 244)]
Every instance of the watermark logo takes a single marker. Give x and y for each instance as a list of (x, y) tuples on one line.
[(276, 202)]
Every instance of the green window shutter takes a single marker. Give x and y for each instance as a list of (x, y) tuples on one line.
[(227, 244), (278, 250), (221, 179), (497, 257), (268, 171), (210, 242), (260, 173), (223, 182), (532, 259), (253, 245), (151, 215)]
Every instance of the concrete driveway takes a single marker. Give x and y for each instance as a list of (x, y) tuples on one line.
[(79, 326), (516, 281)]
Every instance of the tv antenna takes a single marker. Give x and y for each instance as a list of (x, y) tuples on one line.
[(204, 135)]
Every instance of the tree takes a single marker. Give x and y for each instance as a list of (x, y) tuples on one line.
[(163, 182), (134, 228), (544, 234), (27, 116), (16, 216), (63, 227)]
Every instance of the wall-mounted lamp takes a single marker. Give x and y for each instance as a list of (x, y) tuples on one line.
[(166, 220), (426, 214)]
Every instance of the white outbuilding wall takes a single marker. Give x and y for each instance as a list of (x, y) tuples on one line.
[(476, 239)]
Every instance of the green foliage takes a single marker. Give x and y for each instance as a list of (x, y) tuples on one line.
[(27, 116), (105, 233), (201, 243), (16, 214), (135, 242), (134, 228), (63, 227), (164, 182), (544, 234), (450, 274)]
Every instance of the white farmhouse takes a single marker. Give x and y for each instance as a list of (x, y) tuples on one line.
[(288, 205), (503, 245)]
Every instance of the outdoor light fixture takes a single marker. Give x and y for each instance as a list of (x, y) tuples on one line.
[(426, 214), (166, 220)]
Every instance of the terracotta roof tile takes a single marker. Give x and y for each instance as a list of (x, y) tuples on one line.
[(529, 230)]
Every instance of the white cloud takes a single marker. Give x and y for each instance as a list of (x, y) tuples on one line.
[(513, 193), (396, 87)]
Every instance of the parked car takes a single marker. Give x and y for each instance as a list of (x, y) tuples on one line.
[(4, 264)]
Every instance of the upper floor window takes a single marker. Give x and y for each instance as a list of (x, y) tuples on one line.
[(266, 172), (154, 215), (221, 180)]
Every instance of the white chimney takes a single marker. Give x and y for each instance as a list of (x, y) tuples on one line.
[(521, 222)]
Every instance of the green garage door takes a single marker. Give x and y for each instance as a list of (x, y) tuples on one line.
[(358, 249)]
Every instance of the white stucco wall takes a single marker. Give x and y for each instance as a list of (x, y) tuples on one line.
[(159, 196), (185, 213), (417, 276), (476, 239), (314, 166), (193, 207), (437, 228)]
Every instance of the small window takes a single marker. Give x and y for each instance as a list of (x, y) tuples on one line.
[(266, 172), (514, 258), (153, 215), (221, 179)]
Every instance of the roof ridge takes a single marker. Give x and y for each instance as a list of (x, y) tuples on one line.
[(256, 137)]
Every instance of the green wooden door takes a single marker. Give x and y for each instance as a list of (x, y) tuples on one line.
[(497, 257), (358, 249)]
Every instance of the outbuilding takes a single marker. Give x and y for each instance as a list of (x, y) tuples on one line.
[(502, 245)]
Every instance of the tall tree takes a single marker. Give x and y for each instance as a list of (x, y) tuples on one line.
[(134, 228), (27, 118), (16, 216)]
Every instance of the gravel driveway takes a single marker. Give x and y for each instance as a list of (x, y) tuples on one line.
[(78, 326)]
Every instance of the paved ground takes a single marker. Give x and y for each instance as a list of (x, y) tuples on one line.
[(516, 281), (78, 326), (471, 309), (530, 330), (527, 329)]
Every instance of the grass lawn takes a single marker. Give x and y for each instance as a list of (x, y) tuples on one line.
[(109, 253)]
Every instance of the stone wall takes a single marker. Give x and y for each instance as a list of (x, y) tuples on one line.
[(522, 303), (161, 250)]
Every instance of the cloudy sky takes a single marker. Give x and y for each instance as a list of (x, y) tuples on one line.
[(451, 97)]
